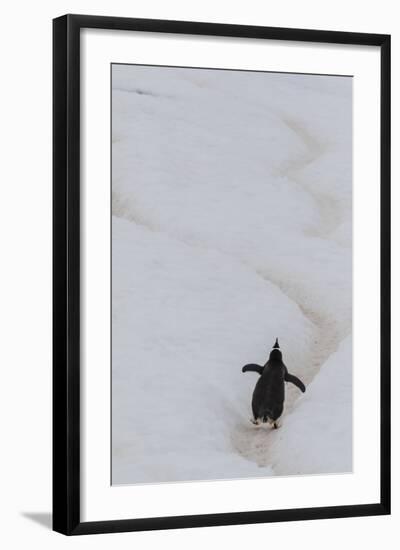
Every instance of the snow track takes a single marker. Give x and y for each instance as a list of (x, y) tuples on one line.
[(253, 442), (314, 149)]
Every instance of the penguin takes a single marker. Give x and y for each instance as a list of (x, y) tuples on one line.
[(269, 393)]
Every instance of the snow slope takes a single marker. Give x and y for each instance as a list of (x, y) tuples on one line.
[(231, 226)]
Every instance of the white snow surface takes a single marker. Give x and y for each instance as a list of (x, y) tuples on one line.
[(231, 200)]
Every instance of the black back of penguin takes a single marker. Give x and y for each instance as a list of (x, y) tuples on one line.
[(269, 393)]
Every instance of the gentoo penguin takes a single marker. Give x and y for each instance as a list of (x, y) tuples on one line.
[(269, 393)]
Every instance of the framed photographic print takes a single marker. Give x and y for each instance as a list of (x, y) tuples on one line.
[(221, 274)]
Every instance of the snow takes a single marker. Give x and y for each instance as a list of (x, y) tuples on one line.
[(317, 436), (231, 226)]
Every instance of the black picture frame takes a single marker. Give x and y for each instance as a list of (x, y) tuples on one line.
[(66, 273)]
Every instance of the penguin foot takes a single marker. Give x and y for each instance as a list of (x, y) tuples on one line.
[(255, 421)]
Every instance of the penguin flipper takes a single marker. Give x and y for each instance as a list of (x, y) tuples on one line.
[(253, 368), (296, 381)]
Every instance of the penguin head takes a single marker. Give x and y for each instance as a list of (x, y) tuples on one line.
[(276, 352)]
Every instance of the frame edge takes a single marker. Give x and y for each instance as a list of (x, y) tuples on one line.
[(385, 273), (66, 275)]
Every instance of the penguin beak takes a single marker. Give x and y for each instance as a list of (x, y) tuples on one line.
[(276, 345)]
